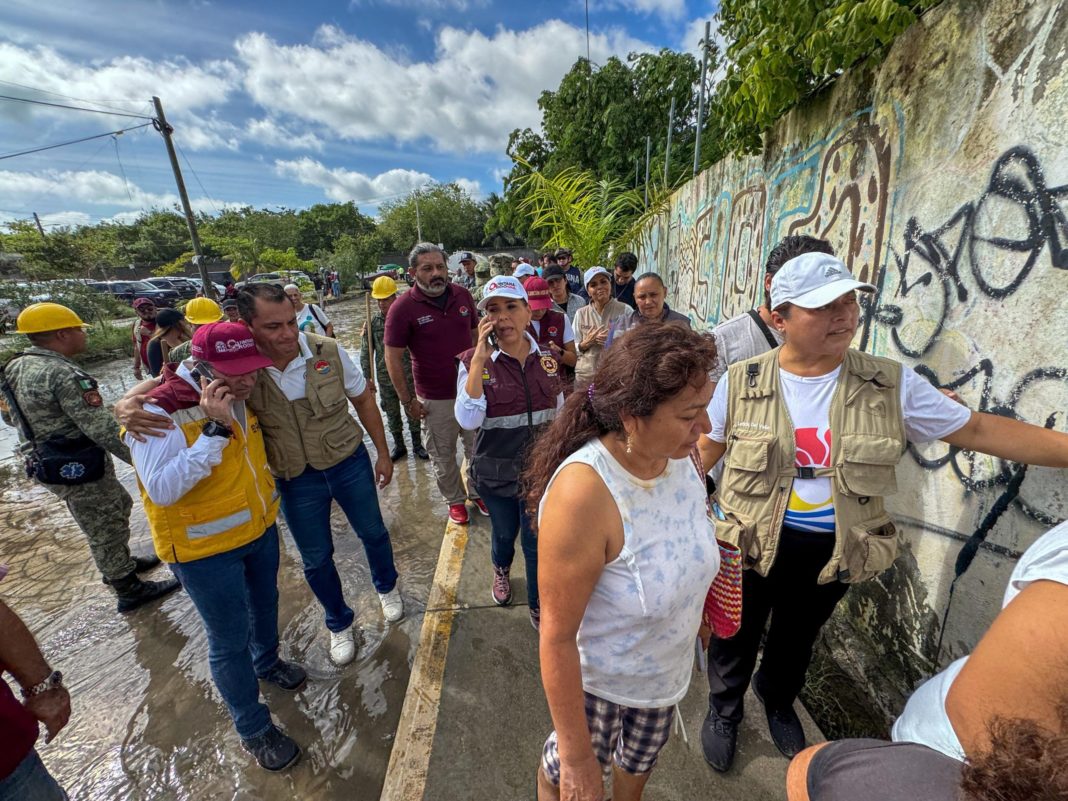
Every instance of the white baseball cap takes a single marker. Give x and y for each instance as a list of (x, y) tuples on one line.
[(524, 269), (592, 273), (812, 280), (502, 286)]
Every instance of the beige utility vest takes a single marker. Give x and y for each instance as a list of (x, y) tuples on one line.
[(867, 442), (316, 430)]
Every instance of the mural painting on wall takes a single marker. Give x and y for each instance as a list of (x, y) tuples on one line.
[(716, 239)]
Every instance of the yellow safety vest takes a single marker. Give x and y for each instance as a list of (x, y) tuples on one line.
[(229, 508)]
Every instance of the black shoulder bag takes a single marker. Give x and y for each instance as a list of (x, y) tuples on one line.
[(770, 337), (56, 460)]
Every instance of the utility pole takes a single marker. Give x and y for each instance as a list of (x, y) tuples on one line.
[(418, 219), (701, 97), (648, 153), (160, 124), (667, 154), (40, 228), (637, 173)]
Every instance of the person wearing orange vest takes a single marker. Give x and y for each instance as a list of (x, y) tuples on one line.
[(211, 504)]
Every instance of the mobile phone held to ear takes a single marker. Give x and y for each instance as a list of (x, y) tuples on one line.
[(202, 369), (491, 338)]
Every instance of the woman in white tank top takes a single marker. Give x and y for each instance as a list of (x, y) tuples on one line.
[(627, 553)]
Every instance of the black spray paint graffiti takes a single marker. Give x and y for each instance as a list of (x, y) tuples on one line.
[(931, 278)]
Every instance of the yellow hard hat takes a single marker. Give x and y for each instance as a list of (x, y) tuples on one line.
[(40, 317), (383, 287), (201, 311)]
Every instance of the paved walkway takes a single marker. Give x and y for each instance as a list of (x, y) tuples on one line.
[(475, 717)]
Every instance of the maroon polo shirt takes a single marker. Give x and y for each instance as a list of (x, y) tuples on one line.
[(18, 731), (434, 336)]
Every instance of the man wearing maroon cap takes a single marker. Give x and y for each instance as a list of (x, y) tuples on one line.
[(211, 504), (551, 329), (436, 321)]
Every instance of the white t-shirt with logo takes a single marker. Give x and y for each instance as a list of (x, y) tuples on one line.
[(313, 322), (929, 415)]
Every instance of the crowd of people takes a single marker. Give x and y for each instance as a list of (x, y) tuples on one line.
[(593, 421)]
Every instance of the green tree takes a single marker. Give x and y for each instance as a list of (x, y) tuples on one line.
[(355, 256), (447, 213), (59, 254), (781, 51), (271, 260), (154, 237), (319, 226), (264, 228)]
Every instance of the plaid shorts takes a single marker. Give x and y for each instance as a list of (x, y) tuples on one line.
[(632, 738)]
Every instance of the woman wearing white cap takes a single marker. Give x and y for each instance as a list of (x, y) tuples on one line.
[(811, 433), (507, 389), (594, 321)]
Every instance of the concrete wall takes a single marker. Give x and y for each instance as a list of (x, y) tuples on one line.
[(941, 175)]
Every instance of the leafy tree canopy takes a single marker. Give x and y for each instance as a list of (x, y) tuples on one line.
[(447, 215)]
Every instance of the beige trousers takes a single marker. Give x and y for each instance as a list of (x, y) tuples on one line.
[(441, 431)]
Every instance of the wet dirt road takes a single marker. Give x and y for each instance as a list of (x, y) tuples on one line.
[(147, 722)]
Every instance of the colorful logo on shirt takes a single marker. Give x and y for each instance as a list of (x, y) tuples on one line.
[(464, 311), (485, 374), (549, 365), (553, 331), (811, 507), (322, 367)]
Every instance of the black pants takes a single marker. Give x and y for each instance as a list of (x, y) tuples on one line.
[(798, 607)]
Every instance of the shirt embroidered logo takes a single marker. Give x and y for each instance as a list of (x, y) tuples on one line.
[(464, 311), (322, 367)]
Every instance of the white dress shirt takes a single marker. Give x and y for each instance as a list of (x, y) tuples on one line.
[(167, 467), (292, 380), (471, 412)]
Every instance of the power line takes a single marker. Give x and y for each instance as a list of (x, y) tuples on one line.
[(199, 183), (104, 103), (72, 142), (73, 108)]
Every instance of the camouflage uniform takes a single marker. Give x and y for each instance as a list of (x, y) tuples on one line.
[(60, 399), (387, 393), (498, 264), (180, 352)]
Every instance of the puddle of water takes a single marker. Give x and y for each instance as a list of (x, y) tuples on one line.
[(147, 722)]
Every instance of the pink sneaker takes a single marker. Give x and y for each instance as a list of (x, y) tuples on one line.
[(458, 513), (502, 586), (481, 505)]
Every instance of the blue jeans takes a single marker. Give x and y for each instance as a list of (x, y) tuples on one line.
[(30, 781), (508, 517), (236, 595), (306, 505)]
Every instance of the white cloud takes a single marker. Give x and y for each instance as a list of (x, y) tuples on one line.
[(128, 83), (424, 5), (71, 219), (670, 9), (86, 186), (344, 185), (478, 88), (473, 188), (272, 133)]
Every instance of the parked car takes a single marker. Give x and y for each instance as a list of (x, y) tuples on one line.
[(264, 278), (394, 271), (184, 288), (129, 291)]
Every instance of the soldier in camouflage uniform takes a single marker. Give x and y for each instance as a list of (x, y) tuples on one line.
[(59, 399), (384, 291), (499, 264)]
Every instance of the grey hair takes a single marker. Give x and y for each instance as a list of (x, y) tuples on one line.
[(422, 248)]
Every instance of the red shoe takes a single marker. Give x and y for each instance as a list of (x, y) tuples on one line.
[(481, 506), (458, 513)]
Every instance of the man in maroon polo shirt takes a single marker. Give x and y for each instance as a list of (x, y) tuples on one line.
[(22, 774), (436, 321)]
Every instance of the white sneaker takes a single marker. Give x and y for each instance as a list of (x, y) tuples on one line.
[(342, 646), (392, 605)]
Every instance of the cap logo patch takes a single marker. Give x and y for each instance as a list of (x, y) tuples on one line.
[(832, 270), (233, 345)]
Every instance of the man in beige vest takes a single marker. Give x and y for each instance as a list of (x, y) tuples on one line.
[(315, 450), (811, 433)]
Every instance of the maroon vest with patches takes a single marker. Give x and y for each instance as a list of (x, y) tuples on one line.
[(519, 403), (174, 393), (552, 330)]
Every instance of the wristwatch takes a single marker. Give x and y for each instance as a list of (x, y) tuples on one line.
[(53, 682), (213, 428)]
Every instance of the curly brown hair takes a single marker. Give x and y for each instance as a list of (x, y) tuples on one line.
[(1025, 762), (644, 368)]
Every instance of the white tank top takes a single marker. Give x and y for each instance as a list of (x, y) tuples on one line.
[(925, 720), (636, 639)]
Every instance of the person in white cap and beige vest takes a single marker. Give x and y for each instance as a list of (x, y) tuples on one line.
[(811, 433)]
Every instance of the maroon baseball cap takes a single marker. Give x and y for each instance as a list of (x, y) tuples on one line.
[(538, 295), (228, 347)]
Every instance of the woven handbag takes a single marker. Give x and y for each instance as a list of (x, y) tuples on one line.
[(723, 603)]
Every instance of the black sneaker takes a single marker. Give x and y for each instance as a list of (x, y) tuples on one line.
[(719, 740), (398, 452), (420, 452), (287, 675), (274, 749), (784, 725)]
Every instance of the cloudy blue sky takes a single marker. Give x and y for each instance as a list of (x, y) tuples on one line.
[(289, 103)]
